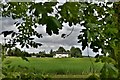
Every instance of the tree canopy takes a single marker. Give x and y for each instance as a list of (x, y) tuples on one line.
[(75, 52), (61, 49), (96, 18)]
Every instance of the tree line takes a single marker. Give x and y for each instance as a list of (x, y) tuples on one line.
[(73, 52)]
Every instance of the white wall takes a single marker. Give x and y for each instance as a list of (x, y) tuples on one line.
[(61, 55)]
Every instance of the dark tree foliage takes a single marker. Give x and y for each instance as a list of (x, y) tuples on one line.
[(75, 52), (61, 49)]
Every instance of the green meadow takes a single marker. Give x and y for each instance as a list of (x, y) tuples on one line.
[(54, 66)]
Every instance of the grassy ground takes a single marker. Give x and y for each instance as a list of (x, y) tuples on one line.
[(56, 66)]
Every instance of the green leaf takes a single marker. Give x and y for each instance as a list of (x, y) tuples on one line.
[(35, 26), (48, 30), (24, 58), (13, 16), (63, 35), (80, 37), (40, 9), (108, 60), (39, 35), (13, 34), (17, 24), (39, 44), (108, 71), (23, 45), (52, 25), (27, 46), (31, 38), (6, 33), (84, 44)]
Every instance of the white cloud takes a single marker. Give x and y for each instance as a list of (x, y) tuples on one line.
[(7, 24)]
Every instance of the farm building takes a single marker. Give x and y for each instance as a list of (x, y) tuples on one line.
[(61, 55)]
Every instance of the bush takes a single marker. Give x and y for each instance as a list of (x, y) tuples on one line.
[(48, 55), (38, 55)]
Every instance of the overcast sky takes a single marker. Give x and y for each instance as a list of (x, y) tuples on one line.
[(49, 42)]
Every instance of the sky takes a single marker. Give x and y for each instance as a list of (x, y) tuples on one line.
[(49, 42)]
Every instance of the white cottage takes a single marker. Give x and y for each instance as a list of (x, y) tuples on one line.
[(61, 55)]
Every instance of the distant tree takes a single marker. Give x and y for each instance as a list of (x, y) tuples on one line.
[(41, 52), (78, 52), (38, 55), (72, 51), (17, 52), (68, 51), (48, 55), (44, 52), (26, 54), (33, 54), (75, 52), (61, 49), (54, 52), (51, 51)]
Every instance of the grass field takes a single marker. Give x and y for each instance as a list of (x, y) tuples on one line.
[(56, 66)]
